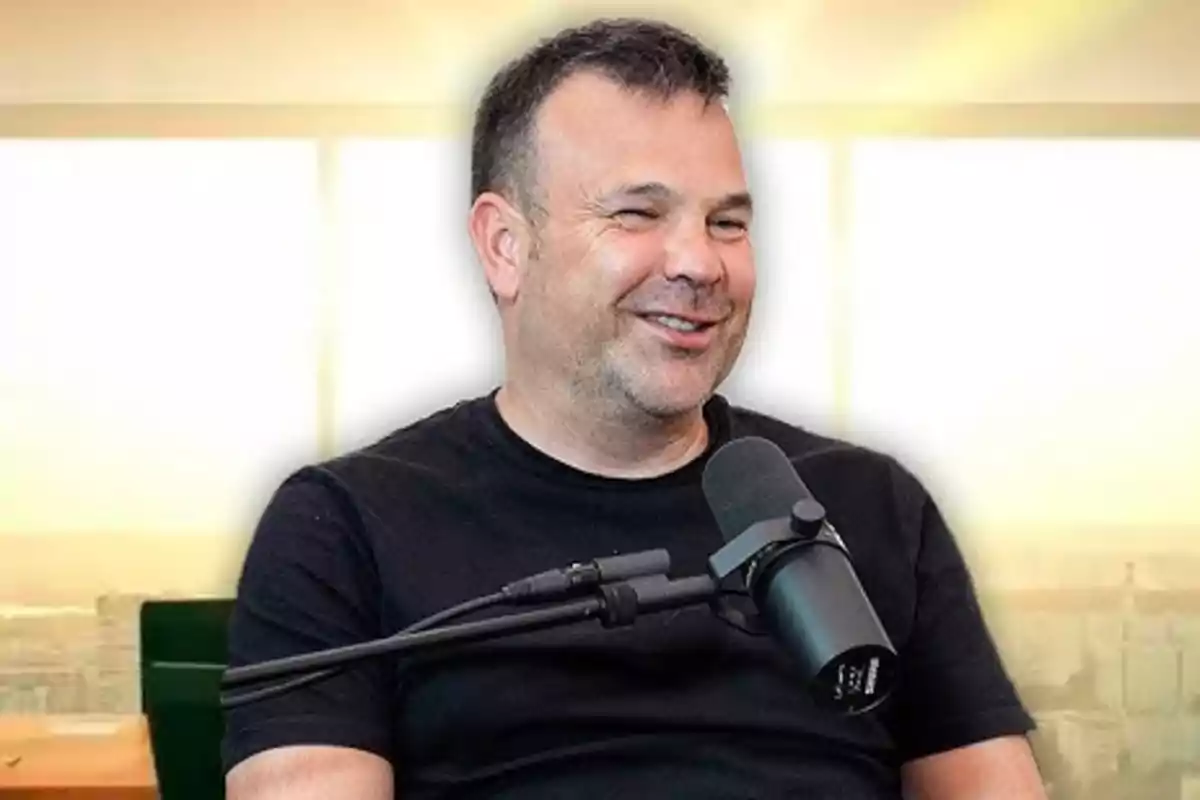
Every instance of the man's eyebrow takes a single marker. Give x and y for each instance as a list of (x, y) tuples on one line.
[(662, 193), (738, 201)]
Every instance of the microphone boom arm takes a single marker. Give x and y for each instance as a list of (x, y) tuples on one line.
[(618, 604)]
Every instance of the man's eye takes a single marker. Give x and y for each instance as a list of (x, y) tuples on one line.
[(731, 224), (641, 213)]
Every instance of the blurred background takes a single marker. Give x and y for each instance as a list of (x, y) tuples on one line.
[(232, 241)]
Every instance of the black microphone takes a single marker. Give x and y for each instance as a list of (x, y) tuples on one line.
[(798, 571)]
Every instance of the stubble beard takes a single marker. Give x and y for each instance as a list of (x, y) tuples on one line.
[(640, 385)]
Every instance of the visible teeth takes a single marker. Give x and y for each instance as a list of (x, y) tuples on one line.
[(676, 323)]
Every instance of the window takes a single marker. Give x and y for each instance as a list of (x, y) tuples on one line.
[(1024, 326), (157, 337), (416, 329)]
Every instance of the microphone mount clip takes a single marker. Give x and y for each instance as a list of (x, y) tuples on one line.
[(755, 548)]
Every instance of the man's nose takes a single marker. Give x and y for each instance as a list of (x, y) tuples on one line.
[(692, 255)]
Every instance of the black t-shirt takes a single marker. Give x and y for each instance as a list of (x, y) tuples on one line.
[(680, 705)]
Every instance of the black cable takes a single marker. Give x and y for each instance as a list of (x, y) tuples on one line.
[(467, 607), (254, 695), (475, 604), (455, 634), (539, 588)]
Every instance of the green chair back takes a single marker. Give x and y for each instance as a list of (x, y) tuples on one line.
[(183, 654)]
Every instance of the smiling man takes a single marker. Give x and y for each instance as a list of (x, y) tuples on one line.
[(612, 219), (624, 276)]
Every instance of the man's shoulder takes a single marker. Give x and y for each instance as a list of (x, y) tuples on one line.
[(448, 429), (824, 455), (440, 441), (799, 440)]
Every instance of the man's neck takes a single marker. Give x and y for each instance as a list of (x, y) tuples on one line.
[(600, 441)]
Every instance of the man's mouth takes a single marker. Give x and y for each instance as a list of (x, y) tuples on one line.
[(679, 323), (695, 334)]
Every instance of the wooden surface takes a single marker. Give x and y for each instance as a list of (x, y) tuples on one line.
[(77, 757)]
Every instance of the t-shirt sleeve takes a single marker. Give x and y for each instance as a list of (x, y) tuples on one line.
[(308, 583), (954, 689)]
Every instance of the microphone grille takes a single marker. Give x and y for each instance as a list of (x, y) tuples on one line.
[(749, 480)]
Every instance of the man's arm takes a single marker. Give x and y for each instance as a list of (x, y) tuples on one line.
[(310, 772), (958, 719), (996, 769), (309, 582)]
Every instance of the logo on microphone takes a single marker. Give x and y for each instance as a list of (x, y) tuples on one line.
[(854, 680), (872, 675)]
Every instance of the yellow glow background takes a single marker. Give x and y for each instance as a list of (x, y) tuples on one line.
[(1010, 311)]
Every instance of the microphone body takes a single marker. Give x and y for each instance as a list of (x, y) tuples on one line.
[(799, 574), (812, 601)]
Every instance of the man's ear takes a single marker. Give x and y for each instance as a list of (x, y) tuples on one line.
[(500, 235)]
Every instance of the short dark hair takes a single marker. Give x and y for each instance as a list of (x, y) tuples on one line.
[(637, 54)]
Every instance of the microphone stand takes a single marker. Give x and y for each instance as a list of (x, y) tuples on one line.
[(617, 604)]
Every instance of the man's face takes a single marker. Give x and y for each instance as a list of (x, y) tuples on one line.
[(640, 291)]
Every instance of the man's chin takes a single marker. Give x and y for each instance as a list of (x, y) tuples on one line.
[(666, 402), (664, 388)]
